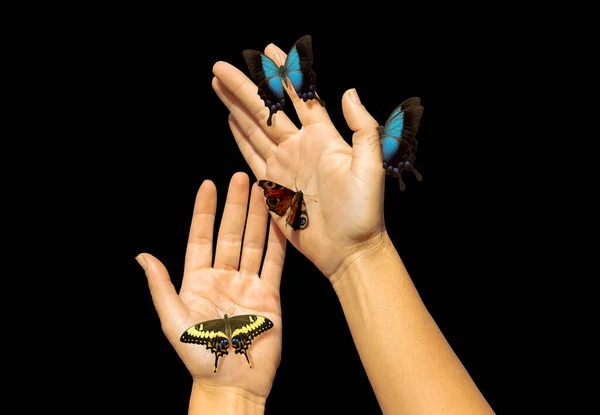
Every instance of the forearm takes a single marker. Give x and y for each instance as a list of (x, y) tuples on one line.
[(410, 365), (224, 401)]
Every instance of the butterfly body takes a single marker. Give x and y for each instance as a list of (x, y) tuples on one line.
[(217, 335), (398, 139), (280, 199), (269, 75)]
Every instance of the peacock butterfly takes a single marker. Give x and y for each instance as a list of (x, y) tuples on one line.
[(280, 199)]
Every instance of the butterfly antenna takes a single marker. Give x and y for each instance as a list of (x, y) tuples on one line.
[(372, 142), (296, 187), (373, 139), (222, 312), (230, 311), (304, 195)]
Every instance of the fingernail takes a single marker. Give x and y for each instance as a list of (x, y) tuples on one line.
[(142, 261), (354, 95)]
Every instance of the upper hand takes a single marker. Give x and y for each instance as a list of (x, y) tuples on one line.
[(343, 184)]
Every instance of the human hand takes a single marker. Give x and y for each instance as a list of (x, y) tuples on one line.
[(231, 281), (343, 185)]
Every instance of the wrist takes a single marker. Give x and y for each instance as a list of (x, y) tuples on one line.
[(371, 255), (224, 400)]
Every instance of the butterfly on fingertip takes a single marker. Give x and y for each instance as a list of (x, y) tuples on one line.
[(217, 335), (398, 139), (269, 75), (280, 199)]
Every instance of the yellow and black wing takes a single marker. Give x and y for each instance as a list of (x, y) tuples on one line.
[(218, 335), (212, 334), (244, 329)]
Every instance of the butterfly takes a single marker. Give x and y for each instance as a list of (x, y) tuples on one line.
[(398, 142), (217, 335), (268, 75), (280, 199)]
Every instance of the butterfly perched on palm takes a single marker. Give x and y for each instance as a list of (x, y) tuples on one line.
[(398, 139), (217, 335), (297, 68), (280, 199)]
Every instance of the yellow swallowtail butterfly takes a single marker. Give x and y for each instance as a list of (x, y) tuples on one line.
[(217, 335)]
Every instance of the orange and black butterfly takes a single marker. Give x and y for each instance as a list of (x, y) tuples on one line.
[(280, 199)]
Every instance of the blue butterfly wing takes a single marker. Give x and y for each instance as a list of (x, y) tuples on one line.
[(272, 76), (293, 70), (267, 75), (391, 134), (298, 68), (398, 139)]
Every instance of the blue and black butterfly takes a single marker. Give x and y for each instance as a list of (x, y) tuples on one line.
[(297, 68), (398, 139)]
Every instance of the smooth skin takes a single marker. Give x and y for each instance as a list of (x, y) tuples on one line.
[(233, 283), (411, 366)]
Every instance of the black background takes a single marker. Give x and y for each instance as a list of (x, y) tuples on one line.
[(163, 131)]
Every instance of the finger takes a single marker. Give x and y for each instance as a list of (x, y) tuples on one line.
[(247, 99), (261, 142), (254, 160), (229, 240), (200, 240), (274, 257), (166, 301), (256, 232), (366, 149), (309, 112)]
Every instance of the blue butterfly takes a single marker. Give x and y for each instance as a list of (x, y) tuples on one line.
[(398, 139), (297, 68)]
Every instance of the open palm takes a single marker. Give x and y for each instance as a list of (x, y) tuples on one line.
[(229, 285), (315, 159)]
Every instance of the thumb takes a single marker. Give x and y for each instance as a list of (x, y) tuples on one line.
[(166, 300), (366, 149)]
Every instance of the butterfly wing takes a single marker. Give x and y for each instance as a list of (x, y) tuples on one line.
[(267, 76), (280, 199), (212, 334), (244, 329), (298, 68), (398, 139), (298, 217)]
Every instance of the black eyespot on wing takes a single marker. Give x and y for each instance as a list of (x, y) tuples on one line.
[(303, 220), (266, 184), (299, 220)]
